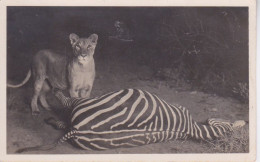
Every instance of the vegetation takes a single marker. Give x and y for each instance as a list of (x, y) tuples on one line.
[(207, 47), (236, 142)]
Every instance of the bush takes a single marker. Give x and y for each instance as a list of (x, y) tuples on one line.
[(236, 142), (208, 47)]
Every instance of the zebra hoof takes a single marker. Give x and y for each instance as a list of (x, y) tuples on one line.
[(238, 124)]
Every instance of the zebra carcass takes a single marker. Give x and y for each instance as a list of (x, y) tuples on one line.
[(129, 118)]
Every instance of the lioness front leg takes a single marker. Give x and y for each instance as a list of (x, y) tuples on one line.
[(85, 92)]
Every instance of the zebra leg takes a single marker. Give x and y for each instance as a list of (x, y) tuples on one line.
[(38, 148), (65, 101), (57, 124), (67, 136), (214, 121)]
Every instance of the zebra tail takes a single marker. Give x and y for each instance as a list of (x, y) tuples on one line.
[(66, 137)]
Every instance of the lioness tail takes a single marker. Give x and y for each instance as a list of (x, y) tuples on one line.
[(23, 82)]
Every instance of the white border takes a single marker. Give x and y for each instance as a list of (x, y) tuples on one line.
[(132, 157)]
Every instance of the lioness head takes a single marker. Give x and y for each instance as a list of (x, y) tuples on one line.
[(83, 47)]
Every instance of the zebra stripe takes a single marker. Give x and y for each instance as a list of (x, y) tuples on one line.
[(110, 118), (180, 118), (191, 124), (98, 113), (78, 112), (207, 132), (148, 138), (134, 106), (143, 110), (161, 117), (133, 117), (150, 127), (184, 118), (156, 122), (153, 111), (167, 117)]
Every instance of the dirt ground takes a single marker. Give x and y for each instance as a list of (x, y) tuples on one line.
[(113, 73)]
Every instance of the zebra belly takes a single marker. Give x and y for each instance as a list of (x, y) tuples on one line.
[(91, 140)]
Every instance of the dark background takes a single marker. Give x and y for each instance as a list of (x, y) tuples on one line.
[(203, 47)]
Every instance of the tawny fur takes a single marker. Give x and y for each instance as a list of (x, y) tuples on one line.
[(76, 73)]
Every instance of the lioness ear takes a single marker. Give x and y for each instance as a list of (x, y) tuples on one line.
[(94, 38), (73, 38)]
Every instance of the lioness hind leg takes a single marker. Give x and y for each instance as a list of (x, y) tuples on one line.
[(37, 89), (42, 97)]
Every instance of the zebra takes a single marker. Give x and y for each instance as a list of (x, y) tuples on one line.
[(129, 118)]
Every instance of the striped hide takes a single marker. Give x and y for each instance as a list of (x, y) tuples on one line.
[(132, 117)]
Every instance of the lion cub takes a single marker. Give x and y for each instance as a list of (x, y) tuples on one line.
[(75, 73)]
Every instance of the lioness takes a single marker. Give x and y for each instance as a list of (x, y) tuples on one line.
[(76, 73)]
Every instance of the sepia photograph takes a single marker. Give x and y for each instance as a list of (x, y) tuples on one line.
[(128, 80)]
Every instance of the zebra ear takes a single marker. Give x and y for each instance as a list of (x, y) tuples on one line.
[(93, 38), (73, 38)]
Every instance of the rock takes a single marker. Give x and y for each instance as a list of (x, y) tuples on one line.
[(239, 124), (193, 92)]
